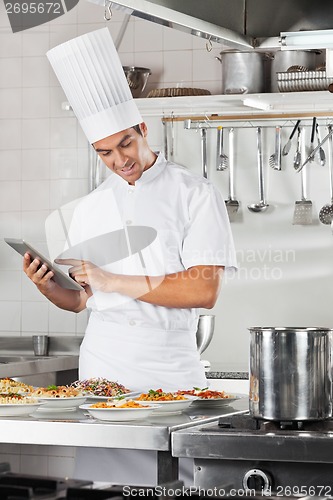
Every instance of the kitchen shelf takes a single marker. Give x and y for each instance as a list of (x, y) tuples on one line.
[(239, 107)]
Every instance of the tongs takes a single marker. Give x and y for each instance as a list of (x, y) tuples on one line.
[(311, 155)]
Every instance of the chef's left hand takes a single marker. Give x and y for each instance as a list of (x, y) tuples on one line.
[(87, 273)]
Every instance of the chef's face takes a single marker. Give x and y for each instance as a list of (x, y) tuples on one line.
[(126, 153)]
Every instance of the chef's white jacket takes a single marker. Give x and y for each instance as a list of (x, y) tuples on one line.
[(181, 221)]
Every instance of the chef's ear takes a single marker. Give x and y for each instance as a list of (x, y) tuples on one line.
[(144, 129)]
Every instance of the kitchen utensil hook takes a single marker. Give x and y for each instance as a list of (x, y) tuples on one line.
[(209, 45), (107, 10)]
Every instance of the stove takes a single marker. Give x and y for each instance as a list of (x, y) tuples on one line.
[(288, 458)]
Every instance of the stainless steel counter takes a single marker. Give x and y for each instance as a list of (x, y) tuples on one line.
[(74, 428), (34, 365)]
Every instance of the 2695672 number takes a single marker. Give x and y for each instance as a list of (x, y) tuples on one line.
[(312, 491), (34, 8)]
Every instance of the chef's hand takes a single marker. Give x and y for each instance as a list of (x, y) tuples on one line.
[(39, 274), (86, 273)]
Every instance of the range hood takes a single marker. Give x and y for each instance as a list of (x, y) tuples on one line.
[(236, 24)]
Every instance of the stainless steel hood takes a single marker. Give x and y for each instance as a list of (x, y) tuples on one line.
[(236, 24)]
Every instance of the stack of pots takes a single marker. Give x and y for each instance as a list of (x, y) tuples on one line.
[(290, 373), (254, 72)]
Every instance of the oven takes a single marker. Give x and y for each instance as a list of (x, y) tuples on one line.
[(239, 453)]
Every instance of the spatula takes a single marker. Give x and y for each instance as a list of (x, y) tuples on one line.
[(303, 207)]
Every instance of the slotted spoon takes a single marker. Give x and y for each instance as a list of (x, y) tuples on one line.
[(275, 158), (221, 157)]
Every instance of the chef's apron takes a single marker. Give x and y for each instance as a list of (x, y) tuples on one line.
[(141, 359)]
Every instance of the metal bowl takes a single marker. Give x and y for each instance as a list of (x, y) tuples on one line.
[(205, 331), (137, 79)]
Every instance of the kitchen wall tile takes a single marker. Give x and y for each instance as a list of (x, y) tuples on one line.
[(10, 313), (14, 449), (35, 195), (64, 191), (92, 26), (177, 66), (176, 40), (11, 72), (89, 12), (63, 163), (144, 43), (29, 464), (35, 449), (35, 41), (10, 165), (33, 226), (61, 466), (205, 65), (60, 321), (35, 103), (11, 134), (57, 101), (61, 33), (83, 161), (35, 164), (34, 317), (10, 226), (126, 44), (10, 46), (35, 72), (69, 18), (10, 103), (10, 199), (61, 451), (35, 133), (29, 290), (10, 285), (63, 132)]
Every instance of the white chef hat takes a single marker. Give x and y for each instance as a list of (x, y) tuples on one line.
[(90, 72)]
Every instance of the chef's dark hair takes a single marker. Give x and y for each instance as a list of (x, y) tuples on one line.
[(137, 129)]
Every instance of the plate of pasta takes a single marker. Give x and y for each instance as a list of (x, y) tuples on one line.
[(207, 398), (167, 402), (119, 411), (56, 397), (15, 405)]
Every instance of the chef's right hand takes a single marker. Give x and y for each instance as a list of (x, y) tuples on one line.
[(39, 274)]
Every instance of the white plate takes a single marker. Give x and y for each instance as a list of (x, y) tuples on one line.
[(70, 402), (213, 402), (171, 406), (119, 414), (15, 410)]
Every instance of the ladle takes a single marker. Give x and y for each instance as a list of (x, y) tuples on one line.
[(262, 205)]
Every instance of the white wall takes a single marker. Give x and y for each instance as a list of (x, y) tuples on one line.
[(285, 275)]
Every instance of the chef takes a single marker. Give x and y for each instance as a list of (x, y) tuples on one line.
[(149, 247)]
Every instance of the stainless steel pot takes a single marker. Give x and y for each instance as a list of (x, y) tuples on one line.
[(284, 59), (290, 373), (242, 72)]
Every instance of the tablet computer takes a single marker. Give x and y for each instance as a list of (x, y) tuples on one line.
[(60, 277)]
